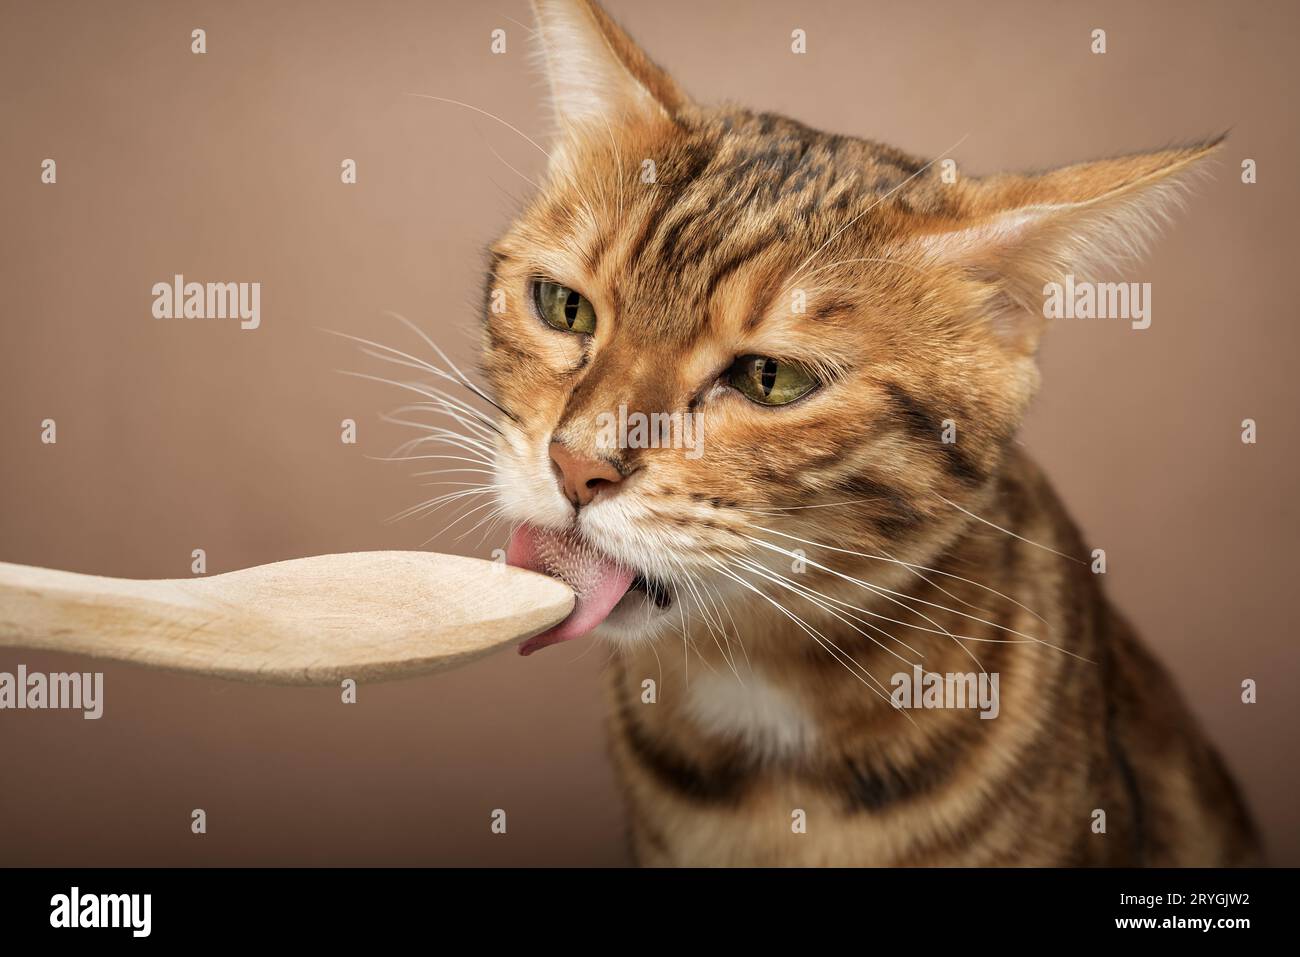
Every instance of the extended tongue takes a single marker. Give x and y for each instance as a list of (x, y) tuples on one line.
[(597, 581)]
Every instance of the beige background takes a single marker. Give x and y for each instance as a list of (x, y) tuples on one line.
[(180, 435)]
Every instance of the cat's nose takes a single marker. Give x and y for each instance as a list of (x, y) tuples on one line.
[(580, 477)]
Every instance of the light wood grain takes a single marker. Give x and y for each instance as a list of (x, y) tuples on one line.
[(364, 615)]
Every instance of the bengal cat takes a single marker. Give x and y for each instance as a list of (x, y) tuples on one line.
[(855, 330)]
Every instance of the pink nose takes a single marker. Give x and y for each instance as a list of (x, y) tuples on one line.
[(581, 477)]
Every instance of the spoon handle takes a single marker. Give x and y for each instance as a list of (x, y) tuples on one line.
[(42, 608)]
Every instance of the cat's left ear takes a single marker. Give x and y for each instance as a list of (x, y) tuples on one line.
[(1018, 233), (596, 73)]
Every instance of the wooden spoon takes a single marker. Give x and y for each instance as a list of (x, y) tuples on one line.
[(363, 615)]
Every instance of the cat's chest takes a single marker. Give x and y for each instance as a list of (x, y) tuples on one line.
[(750, 712)]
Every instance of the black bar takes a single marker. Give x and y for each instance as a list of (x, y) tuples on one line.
[(906, 908)]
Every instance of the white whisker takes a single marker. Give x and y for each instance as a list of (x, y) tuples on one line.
[(1006, 531)]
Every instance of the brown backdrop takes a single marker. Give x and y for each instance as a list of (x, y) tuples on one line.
[(178, 435)]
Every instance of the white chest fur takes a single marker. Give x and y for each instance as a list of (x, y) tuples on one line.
[(752, 710)]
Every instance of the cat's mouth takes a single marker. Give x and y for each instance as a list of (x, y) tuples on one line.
[(654, 589), (598, 582)]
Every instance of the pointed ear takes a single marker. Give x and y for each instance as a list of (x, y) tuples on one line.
[(596, 72), (1018, 233)]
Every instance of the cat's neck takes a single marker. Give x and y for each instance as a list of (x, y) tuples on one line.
[(832, 644)]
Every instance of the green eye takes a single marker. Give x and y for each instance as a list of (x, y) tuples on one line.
[(770, 381), (563, 308)]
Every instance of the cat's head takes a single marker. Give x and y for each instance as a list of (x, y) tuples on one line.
[(839, 337)]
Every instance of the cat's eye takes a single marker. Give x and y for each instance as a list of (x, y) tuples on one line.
[(769, 381), (566, 309)]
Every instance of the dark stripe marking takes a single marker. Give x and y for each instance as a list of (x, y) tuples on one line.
[(925, 426), (724, 782)]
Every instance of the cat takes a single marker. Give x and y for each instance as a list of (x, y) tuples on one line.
[(857, 332)]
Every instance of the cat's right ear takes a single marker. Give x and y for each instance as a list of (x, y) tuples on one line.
[(1019, 233), (597, 75)]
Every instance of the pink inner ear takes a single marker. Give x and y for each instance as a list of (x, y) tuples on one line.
[(984, 241), (597, 581), (1012, 254)]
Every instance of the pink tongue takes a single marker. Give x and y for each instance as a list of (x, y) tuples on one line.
[(597, 581)]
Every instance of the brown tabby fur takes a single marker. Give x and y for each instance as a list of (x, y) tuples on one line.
[(923, 305)]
